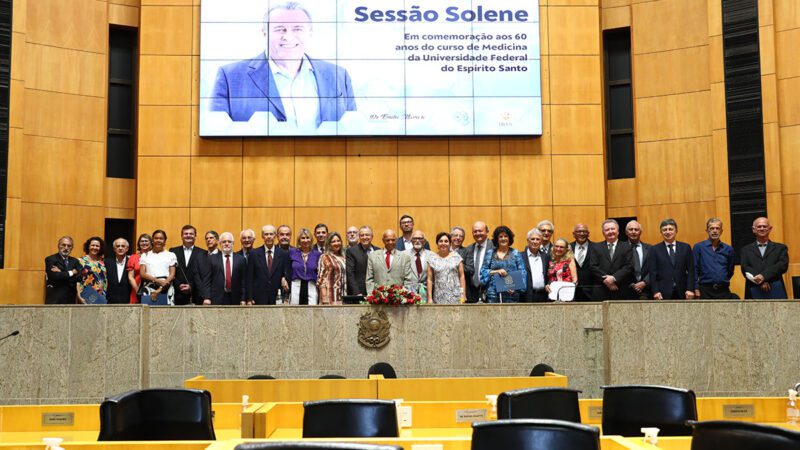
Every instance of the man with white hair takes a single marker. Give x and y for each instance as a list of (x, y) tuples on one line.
[(546, 228), (118, 288), (246, 238), (227, 274)]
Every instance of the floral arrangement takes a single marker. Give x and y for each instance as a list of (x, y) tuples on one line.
[(394, 295)]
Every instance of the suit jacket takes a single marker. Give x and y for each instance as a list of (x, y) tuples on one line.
[(401, 245), (771, 266), (357, 269), (261, 284), (247, 86), (217, 279), (59, 286), (666, 277), (246, 256), (529, 295), (194, 274), (117, 291), (620, 267), (418, 280), (472, 274), (583, 292), (400, 271), (641, 272)]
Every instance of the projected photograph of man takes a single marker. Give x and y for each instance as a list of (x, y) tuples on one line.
[(284, 80)]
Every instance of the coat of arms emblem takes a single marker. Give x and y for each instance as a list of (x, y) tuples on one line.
[(373, 329)]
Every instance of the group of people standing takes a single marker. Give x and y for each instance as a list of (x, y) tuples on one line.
[(327, 268)]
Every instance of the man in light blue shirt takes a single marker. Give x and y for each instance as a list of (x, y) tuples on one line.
[(284, 80)]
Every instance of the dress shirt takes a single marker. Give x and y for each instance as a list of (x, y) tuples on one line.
[(407, 244), (299, 94), (422, 259), (578, 247), (478, 257), (537, 270), (121, 268), (216, 250), (762, 248), (713, 267), (187, 253)]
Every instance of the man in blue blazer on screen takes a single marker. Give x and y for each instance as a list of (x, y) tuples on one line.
[(284, 80)]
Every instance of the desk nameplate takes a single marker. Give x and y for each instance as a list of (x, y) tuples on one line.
[(61, 418), (470, 415), (596, 412), (746, 411)]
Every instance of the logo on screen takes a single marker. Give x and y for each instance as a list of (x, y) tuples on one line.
[(462, 118)]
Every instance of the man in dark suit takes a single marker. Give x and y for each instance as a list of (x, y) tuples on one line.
[(357, 257), (191, 275), (320, 234), (766, 261), (639, 287), (268, 270), (611, 264), (475, 253), (227, 274), (671, 266), (407, 229), (61, 274), (246, 238), (536, 264), (118, 288), (582, 249)]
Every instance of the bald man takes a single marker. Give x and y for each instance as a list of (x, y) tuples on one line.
[(582, 249), (388, 266), (472, 264), (766, 261)]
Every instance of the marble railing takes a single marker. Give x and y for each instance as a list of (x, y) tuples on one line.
[(79, 354)]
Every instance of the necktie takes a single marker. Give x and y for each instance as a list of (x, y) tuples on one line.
[(419, 265), (269, 260), (388, 259), (227, 272), (478, 258), (581, 255), (672, 253), (611, 251), (637, 263)]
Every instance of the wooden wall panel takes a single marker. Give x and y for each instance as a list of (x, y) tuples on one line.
[(217, 219), (430, 220), (168, 219), (61, 171), (78, 24), (673, 117), (65, 70), (649, 79), (164, 182), (565, 219), (371, 146), (521, 219), (216, 181), (654, 25), (579, 79), (268, 181), (676, 171), (691, 219), (330, 192), (574, 30), (164, 130), (165, 80), (468, 215), (790, 163), (424, 180), (48, 222), (577, 180), (529, 180), (65, 116), (577, 129), (374, 180), (255, 218), (475, 180), (334, 218), (169, 30), (788, 106), (380, 219)]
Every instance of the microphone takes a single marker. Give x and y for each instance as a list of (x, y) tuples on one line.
[(13, 333)]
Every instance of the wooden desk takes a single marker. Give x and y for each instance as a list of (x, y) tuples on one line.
[(458, 389), (81, 423), (261, 391)]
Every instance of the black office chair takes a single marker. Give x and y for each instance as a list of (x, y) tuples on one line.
[(539, 370), (332, 376), (626, 409), (350, 418), (260, 377), (534, 434), (730, 435), (382, 368), (296, 445), (157, 415), (540, 403)]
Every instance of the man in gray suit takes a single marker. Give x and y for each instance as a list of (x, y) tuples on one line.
[(389, 266), (639, 288), (419, 262), (472, 264)]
